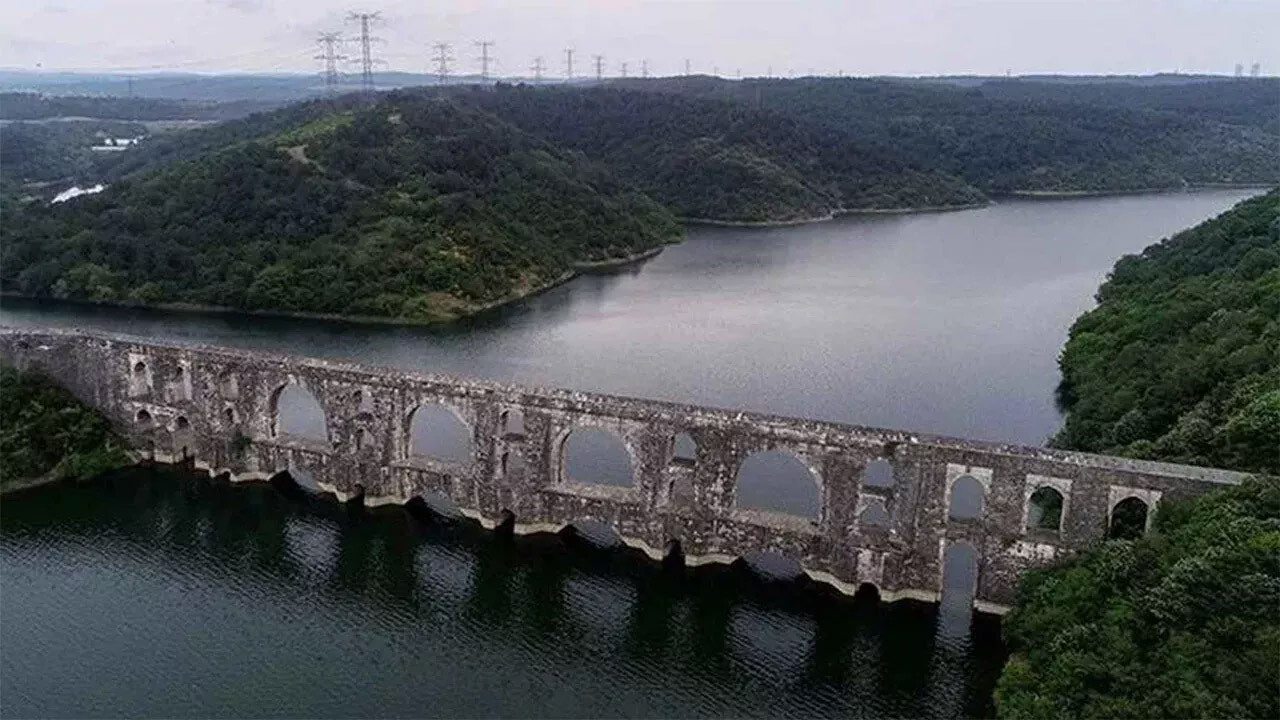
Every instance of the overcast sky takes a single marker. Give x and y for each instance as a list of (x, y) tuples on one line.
[(858, 37)]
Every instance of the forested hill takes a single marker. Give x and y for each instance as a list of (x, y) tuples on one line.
[(412, 207), (711, 159), (1035, 137), (1180, 361)]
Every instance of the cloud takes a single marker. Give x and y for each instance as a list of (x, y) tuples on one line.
[(241, 5)]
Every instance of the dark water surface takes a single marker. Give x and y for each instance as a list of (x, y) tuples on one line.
[(166, 595), (161, 594)]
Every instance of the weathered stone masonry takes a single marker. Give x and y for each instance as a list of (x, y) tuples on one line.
[(217, 408)]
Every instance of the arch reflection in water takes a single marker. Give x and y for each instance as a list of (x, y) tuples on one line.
[(492, 627), (959, 586)]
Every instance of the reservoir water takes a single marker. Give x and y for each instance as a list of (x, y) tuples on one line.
[(160, 594)]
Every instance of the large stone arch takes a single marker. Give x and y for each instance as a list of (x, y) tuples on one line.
[(282, 390), (792, 466), (433, 421), (587, 428)]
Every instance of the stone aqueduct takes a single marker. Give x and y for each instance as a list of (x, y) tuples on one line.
[(217, 408)]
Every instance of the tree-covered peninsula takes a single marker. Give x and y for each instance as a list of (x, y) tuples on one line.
[(1180, 361), (47, 435), (1182, 623), (411, 208)]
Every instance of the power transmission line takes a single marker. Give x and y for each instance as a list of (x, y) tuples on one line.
[(644, 68), (443, 58), (367, 61), (624, 70), (687, 66), (329, 44), (568, 64), (599, 67), (484, 46), (537, 67)]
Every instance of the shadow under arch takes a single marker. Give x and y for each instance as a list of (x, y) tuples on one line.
[(1044, 509), (438, 431), (779, 482), (295, 410), (1129, 519)]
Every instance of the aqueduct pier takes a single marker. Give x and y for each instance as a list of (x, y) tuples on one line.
[(219, 409)]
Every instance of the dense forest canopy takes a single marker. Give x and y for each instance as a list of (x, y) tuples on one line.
[(707, 158), (46, 431), (39, 106), (1180, 361), (411, 207), (1179, 624), (1063, 138), (47, 152)]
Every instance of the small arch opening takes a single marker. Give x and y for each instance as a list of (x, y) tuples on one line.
[(867, 593), (229, 415), (598, 457), (595, 533), (966, 499), (878, 473), (513, 421), (506, 524), (179, 373), (680, 490), (295, 411), (435, 431), (513, 464), (362, 400), (303, 478), (673, 554), (228, 386), (362, 439), (139, 367), (1044, 509), (779, 482), (442, 505), (1128, 519), (683, 448), (874, 514), (182, 423), (143, 417), (772, 566)]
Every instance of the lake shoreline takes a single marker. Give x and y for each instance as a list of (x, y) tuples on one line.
[(1068, 194), (579, 268), (834, 215)]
